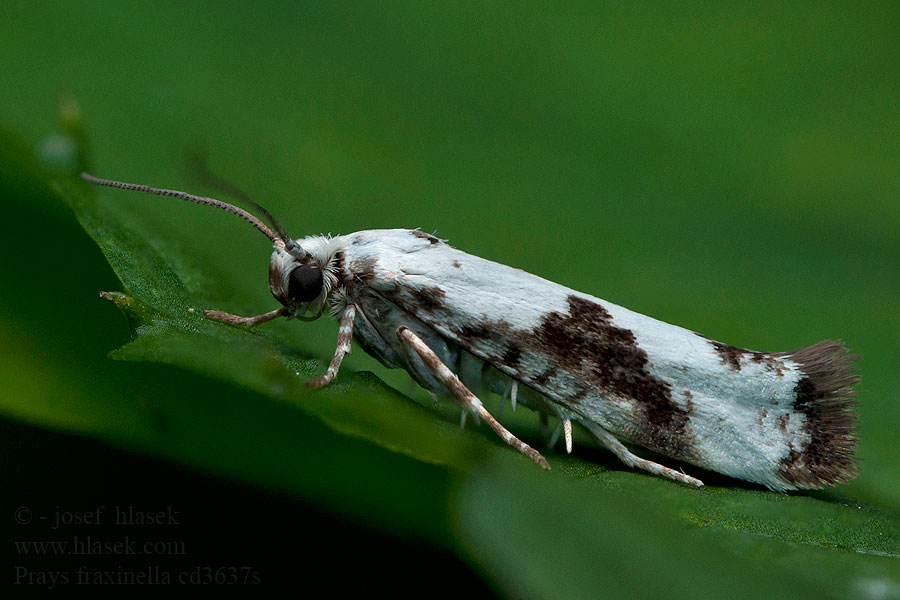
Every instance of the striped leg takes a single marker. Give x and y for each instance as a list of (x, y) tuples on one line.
[(634, 461), (463, 395), (225, 317), (345, 335)]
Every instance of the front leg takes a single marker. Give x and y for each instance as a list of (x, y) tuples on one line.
[(462, 393), (345, 335), (225, 317)]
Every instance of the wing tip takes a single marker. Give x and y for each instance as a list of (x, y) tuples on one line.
[(825, 396)]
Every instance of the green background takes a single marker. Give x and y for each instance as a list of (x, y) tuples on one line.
[(733, 169)]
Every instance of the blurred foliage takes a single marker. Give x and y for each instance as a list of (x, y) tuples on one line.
[(731, 169)]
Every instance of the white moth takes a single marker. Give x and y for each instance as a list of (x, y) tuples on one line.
[(458, 324)]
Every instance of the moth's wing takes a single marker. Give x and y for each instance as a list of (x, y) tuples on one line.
[(781, 419)]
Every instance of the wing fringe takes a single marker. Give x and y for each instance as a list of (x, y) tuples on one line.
[(825, 396)]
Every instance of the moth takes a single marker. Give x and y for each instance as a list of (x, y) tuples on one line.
[(460, 324)]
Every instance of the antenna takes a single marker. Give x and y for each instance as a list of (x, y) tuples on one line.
[(205, 176), (198, 200)]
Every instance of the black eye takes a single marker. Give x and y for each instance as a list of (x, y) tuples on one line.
[(305, 283)]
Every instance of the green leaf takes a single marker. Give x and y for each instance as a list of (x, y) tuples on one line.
[(620, 535)]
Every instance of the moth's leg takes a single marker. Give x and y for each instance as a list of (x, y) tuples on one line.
[(345, 335), (511, 392), (567, 433), (431, 360), (471, 374), (225, 317), (564, 426), (634, 461)]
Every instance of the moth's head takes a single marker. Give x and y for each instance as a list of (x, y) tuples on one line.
[(298, 271), (299, 277)]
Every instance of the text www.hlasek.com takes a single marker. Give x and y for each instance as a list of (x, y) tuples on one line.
[(85, 545)]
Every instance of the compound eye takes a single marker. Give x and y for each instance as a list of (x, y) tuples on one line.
[(305, 283)]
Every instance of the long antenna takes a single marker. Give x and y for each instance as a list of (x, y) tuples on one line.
[(203, 173), (190, 198)]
